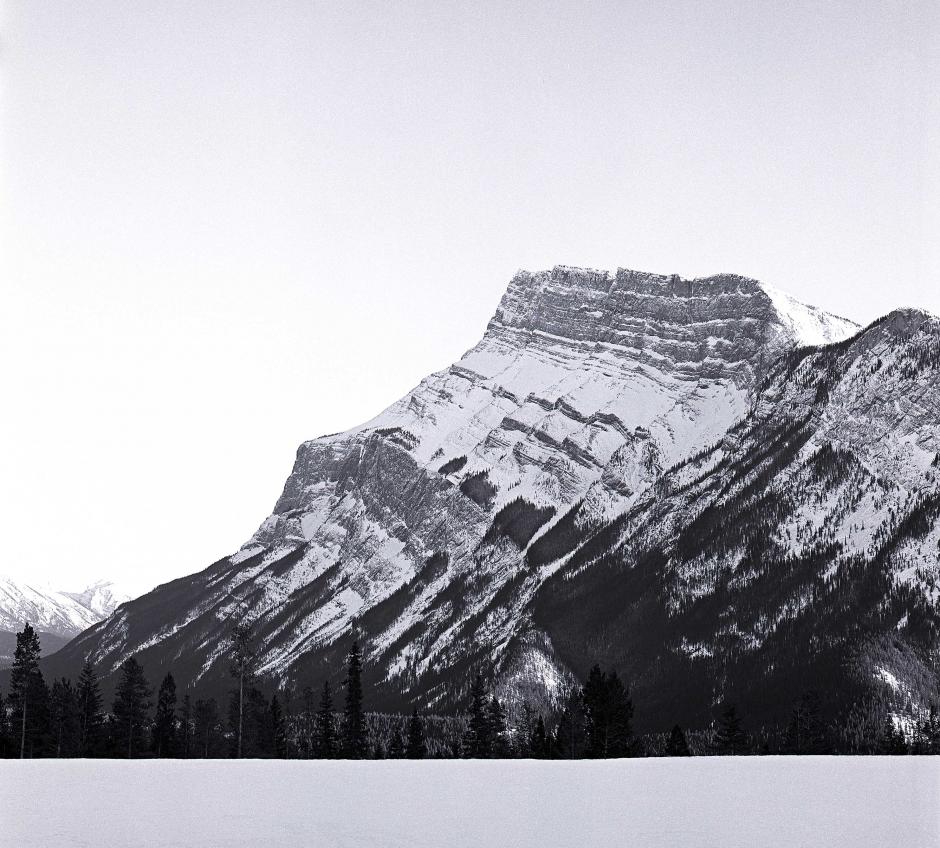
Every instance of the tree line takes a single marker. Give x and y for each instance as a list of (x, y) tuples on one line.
[(596, 721)]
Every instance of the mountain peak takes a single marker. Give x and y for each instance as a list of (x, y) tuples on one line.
[(809, 324), (591, 305), (907, 318)]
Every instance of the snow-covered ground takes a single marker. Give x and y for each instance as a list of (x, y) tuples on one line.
[(758, 802)]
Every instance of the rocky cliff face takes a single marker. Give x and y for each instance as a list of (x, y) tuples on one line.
[(492, 514)]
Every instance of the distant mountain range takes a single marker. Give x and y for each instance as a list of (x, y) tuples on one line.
[(57, 615), (715, 489)]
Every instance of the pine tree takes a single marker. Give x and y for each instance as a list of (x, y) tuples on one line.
[(132, 705), (929, 731), (289, 721), (207, 728), (4, 730), (892, 738), (164, 722), (258, 736), (417, 748), (522, 736), (805, 731), (496, 720), (91, 718), (325, 729), (29, 697), (307, 723), (277, 730), (242, 669), (63, 709), (677, 746), (539, 746), (396, 750), (569, 739), (731, 739), (186, 727), (478, 741), (608, 713), (355, 743)]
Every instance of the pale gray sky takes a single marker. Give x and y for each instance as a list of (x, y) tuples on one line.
[(229, 227)]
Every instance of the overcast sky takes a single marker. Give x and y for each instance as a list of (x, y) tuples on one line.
[(230, 227)]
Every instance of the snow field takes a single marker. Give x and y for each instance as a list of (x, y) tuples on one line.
[(757, 802)]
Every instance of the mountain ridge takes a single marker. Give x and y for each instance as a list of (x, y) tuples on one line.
[(63, 614)]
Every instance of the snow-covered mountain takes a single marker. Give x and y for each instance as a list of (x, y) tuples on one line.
[(575, 450), (63, 614), (102, 597)]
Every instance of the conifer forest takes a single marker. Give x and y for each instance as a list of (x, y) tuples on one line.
[(149, 719)]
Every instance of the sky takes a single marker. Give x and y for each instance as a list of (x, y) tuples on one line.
[(226, 228)]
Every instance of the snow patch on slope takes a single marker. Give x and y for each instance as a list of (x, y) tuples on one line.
[(809, 325)]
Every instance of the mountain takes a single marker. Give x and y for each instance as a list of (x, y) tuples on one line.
[(697, 481), (102, 598), (58, 616)]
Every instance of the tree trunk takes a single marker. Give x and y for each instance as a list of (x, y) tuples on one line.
[(241, 693), (23, 727)]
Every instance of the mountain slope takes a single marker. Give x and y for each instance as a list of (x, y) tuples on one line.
[(800, 552), (430, 529)]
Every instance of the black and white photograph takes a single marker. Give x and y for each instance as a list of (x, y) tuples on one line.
[(481, 425)]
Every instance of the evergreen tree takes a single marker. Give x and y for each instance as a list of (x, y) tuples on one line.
[(276, 742), (325, 741), (29, 697), (478, 741), (132, 705), (805, 731), (608, 713), (355, 743), (91, 718), (417, 748), (539, 745), (186, 727), (677, 746), (289, 722), (569, 738), (259, 740), (731, 739), (242, 669), (496, 720), (164, 721), (5, 746), (893, 740), (207, 728), (307, 723), (930, 733), (522, 737), (396, 750), (64, 718)]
